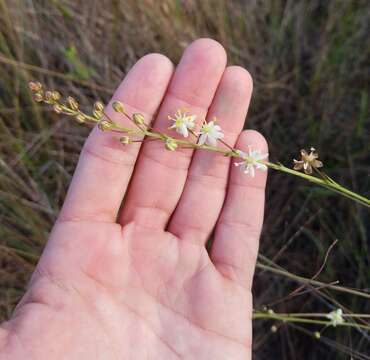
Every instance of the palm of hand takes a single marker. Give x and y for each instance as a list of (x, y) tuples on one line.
[(138, 295), (139, 283)]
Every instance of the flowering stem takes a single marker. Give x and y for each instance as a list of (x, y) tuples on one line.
[(323, 315), (298, 318), (105, 123), (324, 183)]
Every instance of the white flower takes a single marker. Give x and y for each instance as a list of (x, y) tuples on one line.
[(251, 161), (182, 122), (209, 133), (336, 317)]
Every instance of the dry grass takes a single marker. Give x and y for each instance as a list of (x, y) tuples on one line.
[(309, 61)]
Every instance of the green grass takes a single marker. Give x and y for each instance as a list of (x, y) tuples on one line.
[(309, 61)]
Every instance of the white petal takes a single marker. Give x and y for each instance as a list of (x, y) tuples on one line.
[(192, 118), (221, 135), (262, 167), (211, 141), (190, 124), (213, 133), (241, 153), (261, 156), (184, 130), (202, 139)]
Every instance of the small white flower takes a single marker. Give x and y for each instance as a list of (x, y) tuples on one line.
[(336, 317), (210, 133), (182, 122), (251, 161)]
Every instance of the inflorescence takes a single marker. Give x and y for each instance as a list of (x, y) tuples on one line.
[(209, 137)]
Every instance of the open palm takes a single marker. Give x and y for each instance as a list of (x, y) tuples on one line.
[(125, 274)]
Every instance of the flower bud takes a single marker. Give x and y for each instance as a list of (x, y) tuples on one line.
[(98, 114), (48, 96), (105, 125), (55, 95), (138, 118), (35, 86), (171, 144), (57, 108), (125, 140), (72, 103), (80, 118), (38, 97), (118, 107), (99, 106)]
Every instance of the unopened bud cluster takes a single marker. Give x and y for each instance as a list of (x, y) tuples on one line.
[(69, 107)]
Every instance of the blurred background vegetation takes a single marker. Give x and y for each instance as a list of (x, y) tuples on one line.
[(310, 63)]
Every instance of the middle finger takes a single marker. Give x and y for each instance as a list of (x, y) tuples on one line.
[(160, 174)]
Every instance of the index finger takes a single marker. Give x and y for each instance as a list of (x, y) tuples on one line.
[(105, 166)]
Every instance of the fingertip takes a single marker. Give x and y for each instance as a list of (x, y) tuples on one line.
[(199, 72), (212, 45), (157, 60), (231, 101), (252, 138), (206, 53), (240, 77), (152, 70)]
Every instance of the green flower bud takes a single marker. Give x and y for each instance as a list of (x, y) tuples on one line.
[(57, 108), (55, 95), (138, 118), (171, 144), (80, 118), (99, 106), (38, 97), (125, 140), (98, 114), (35, 86), (72, 103), (118, 107), (105, 125)]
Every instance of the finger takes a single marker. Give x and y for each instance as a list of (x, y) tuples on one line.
[(235, 246), (105, 166), (201, 201), (160, 174)]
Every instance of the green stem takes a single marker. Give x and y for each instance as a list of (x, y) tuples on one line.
[(322, 315), (328, 185), (293, 318), (331, 185), (325, 181)]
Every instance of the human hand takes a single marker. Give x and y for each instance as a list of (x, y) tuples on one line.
[(138, 283)]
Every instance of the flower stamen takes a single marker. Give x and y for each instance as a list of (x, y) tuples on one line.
[(182, 122)]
